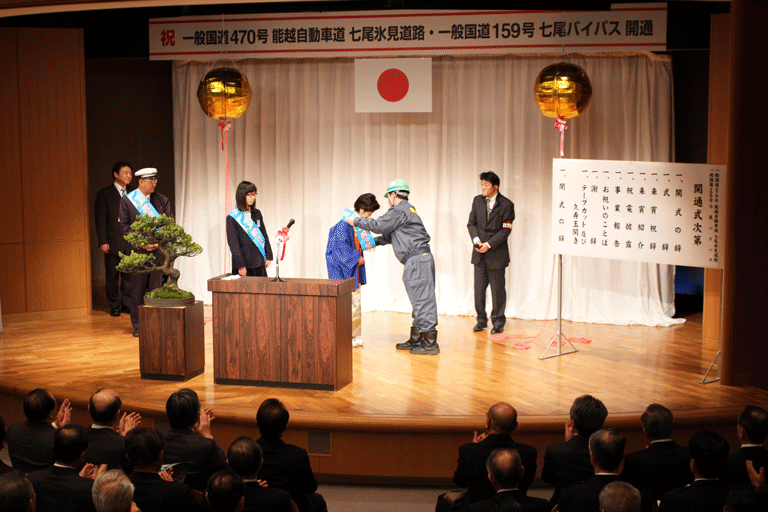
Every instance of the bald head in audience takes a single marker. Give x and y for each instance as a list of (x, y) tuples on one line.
[(502, 419), (104, 407)]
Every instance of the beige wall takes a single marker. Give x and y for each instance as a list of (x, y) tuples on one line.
[(44, 264)]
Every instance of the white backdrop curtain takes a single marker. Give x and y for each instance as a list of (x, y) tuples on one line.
[(311, 155)]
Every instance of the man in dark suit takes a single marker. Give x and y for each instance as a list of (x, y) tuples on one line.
[(244, 457), (190, 438), (225, 492), (490, 223), (113, 492), (155, 491), (707, 493), (4, 468), (568, 463), (61, 487), (105, 444), (111, 239), (30, 444), (752, 429), (471, 471), (620, 496), (143, 201), (16, 492), (505, 469), (606, 452), (286, 466), (663, 465)]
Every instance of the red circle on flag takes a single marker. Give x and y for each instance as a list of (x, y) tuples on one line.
[(393, 85)]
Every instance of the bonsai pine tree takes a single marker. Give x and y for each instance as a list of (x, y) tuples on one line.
[(171, 240)]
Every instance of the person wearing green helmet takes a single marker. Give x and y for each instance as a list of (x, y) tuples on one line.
[(402, 227)]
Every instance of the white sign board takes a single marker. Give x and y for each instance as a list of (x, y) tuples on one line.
[(626, 27), (645, 211)]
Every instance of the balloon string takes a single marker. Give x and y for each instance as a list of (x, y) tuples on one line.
[(224, 125), (560, 125)]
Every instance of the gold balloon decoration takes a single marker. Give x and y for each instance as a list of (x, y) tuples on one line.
[(224, 93), (562, 91)]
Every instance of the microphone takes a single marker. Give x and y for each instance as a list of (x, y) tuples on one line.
[(290, 223)]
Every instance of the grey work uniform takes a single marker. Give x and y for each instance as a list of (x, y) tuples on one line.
[(402, 227)]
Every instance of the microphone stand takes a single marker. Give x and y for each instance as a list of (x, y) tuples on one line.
[(277, 263)]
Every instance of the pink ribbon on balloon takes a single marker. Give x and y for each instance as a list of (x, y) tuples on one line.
[(560, 125)]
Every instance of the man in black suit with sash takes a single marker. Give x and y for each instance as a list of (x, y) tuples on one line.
[(111, 239), (153, 204), (490, 223)]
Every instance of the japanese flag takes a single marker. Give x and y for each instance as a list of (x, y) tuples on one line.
[(393, 85)]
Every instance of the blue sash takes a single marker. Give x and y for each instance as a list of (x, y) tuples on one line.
[(250, 228), (142, 204), (364, 237)]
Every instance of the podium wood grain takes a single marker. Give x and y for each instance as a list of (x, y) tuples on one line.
[(171, 342), (296, 333)]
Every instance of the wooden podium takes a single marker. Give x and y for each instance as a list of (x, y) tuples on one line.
[(295, 334), (171, 342)]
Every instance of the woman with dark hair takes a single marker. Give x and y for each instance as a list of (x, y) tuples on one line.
[(246, 234)]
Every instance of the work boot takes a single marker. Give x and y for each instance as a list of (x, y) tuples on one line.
[(413, 341), (428, 345)]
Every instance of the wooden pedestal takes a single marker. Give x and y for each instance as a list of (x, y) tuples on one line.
[(295, 334), (171, 342)]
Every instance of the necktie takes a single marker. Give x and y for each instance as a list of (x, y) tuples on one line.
[(487, 208), (122, 191)]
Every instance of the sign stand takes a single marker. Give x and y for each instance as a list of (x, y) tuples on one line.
[(559, 336), (719, 341)]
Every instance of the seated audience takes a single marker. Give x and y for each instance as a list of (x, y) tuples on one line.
[(663, 465), (113, 492), (709, 454), (155, 491), (105, 444), (752, 429), (568, 463), (64, 487), (619, 496), (286, 466), (606, 452), (505, 472), (16, 492), (245, 458), (225, 492), (190, 438), (501, 421), (30, 444), (4, 468)]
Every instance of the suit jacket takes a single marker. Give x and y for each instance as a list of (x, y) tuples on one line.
[(4, 468), (661, 467), (736, 469), (206, 456), (30, 445), (527, 503), (494, 229), (287, 467), (244, 251), (266, 499), (584, 497), (61, 489), (566, 464), (153, 494), (105, 446), (108, 230), (699, 496), (127, 213), (471, 472)]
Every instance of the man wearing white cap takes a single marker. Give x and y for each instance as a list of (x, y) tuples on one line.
[(143, 201)]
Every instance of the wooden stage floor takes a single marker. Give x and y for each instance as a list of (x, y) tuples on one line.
[(627, 367)]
